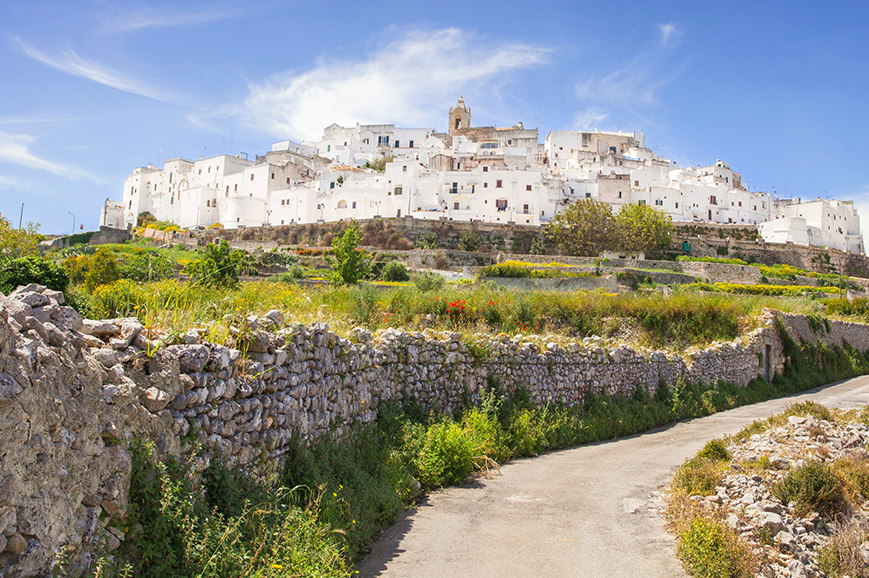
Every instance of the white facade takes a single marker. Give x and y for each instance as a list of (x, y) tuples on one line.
[(484, 174)]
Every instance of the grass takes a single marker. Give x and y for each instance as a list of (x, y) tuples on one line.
[(674, 322)]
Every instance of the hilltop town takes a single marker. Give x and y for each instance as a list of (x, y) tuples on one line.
[(473, 174)]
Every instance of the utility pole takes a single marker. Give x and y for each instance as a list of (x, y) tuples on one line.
[(21, 217)]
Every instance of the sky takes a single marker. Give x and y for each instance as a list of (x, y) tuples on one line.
[(92, 89)]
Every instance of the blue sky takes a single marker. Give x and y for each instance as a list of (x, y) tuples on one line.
[(92, 89)]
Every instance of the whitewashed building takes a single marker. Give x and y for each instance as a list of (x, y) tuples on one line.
[(484, 174)]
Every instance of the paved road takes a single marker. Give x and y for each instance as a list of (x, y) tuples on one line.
[(589, 511)]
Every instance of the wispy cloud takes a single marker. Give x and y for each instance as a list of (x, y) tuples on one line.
[(668, 31), (15, 149), (589, 118), (8, 182), (408, 81), (169, 17), (71, 63)]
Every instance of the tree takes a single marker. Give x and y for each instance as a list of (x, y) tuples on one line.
[(349, 264), (643, 229), (585, 227), (219, 266), (22, 242), (26, 270)]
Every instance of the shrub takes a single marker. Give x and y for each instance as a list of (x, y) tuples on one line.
[(350, 264), (711, 549), (429, 240), (219, 265), (812, 487), (442, 453), (148, 266), (102, 269), (699, 476), (364, 304), (469, 241), (715, 450), (394, 271), (26, 270), (429, 281), (842, 555), (122, 298)]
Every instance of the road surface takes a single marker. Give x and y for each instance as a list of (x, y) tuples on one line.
[(588, 511)]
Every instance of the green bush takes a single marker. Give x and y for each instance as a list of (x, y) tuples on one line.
[(122, 298), (349, 264), (712, 550), (394, 271), (103, 269), (469, 241), (219, 265), (148, 266), (428, 281), (715, 450), (26, 270), (813, 487)]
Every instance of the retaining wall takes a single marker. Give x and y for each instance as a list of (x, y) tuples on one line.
[(72, 391)]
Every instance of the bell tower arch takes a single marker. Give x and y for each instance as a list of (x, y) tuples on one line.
[(460, 117)]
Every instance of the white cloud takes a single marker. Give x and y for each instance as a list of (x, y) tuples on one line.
[(71, 63), (668, 31), (15, 149), (15, 183), (168, 17), (409, 81), (635, 83), (590, 118)]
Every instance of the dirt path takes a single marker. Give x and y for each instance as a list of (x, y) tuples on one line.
[(588, 511)]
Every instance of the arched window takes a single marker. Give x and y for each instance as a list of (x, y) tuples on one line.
[(342, 204)]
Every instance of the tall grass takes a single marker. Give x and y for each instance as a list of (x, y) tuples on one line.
[(675, 321)]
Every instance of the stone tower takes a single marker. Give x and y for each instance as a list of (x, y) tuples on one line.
[(460, 117)]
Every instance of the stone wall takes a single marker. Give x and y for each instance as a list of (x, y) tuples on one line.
[(73, 391)]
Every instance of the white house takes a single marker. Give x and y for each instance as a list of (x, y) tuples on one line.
[(484, 174)]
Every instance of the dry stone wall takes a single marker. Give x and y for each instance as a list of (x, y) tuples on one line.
[(73, 391)]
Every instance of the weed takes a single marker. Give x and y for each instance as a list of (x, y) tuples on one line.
[(812, 487), (710, 549), (842, 555)]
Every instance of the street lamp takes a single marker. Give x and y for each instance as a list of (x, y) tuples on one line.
[(73, 222)]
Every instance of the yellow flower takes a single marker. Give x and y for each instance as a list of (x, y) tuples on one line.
[(334, 495), (277, 566)]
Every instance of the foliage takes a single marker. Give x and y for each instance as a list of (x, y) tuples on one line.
[(26, 270), (514, 269), (236, 527), (429, 281), (16, 243), (711, 260), (395, 271), (349, 263), (429, 240), (785, 290), (122, 298), (148, 266), (641, 228), (813, 487), (710, 549), (842, 555), (585, 227), (379, 164), (102, 269), (219, 265), (469, 241)]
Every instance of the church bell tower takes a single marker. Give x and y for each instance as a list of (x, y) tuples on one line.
[(460, 117)]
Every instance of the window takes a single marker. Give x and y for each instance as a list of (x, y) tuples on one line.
[(740, 203), (485, 169), (383, 140), (527, 187), (659, 203), (354, 204), (636, 183), (455, 188), (397, 145), (131, 205), (235, 190), (489, 145), (342, 204), (328, 148), (501, 204), (332, 185), (641, 203), (283, 202), (588, 195), (227, 189), (397, 191), (207, 203), (712, 201), (404, 168), (288, 180), (273, 176), (620, 194), (456, 206), (525, 209), (209, 169), (170, 177), (410, 145), (251, 177), (200, 171), (458, 166), (677, 205), (498, 184), (485, 185)]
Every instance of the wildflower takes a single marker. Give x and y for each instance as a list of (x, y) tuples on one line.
[(277, 566)]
